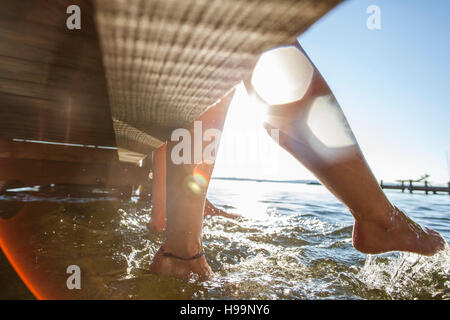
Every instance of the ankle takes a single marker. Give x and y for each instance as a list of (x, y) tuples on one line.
[(384, 220), (185, 249)]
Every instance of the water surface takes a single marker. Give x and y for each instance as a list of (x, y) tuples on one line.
[(292, 242)]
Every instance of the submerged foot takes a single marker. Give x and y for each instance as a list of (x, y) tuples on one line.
[(212, 210), (403, 235), (159, 225), (223, 214), (181, 269)]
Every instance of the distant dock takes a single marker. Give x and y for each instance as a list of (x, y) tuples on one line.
[(414, 186)]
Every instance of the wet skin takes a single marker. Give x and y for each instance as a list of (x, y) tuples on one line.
[(159, 216), (379, 226), (185, 206)]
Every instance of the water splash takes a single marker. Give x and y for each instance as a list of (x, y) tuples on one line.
[(409, 275), (296, 246)]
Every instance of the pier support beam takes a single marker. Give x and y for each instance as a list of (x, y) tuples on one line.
[(39, 164), (46, 172), (426, 187)]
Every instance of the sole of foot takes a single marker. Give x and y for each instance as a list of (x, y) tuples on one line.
[(403, 235)]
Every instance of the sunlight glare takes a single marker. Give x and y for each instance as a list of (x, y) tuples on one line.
[(245, 147), (327, 122), (282, 75)]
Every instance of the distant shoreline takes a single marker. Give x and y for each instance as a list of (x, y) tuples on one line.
[(310, 182)]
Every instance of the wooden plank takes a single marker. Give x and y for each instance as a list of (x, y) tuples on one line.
[(85, 98), (52, 81), (19, 78), (42, 172), (49, 13), (40, 151), (62, 121), (131, 156), (427, 188)]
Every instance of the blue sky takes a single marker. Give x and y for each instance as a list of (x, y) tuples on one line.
[(393, 85)]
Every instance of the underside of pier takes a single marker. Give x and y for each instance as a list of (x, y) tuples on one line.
[(89, 106)]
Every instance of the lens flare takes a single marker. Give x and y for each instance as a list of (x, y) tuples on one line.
[(328, 123), (282, 75), (200, 179), (9, 244), (197, 182), (194, 187)]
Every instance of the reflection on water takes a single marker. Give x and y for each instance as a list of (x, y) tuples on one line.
[(293, 241)]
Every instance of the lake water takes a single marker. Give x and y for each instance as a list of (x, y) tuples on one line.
[(293, 241)]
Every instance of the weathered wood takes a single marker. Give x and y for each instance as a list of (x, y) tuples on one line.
[(43, 172), (426, 187), (76, 191), (169, 61), (40, 151), (52, 81), (130, 156), (50, 120)]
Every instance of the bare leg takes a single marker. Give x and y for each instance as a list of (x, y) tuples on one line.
[(187, 185), (209, 210), (158, 220), (314, 130)]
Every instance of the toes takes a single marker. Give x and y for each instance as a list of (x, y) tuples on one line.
[(437, 242), (441, 241)]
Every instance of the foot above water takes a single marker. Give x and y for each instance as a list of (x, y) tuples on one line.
[(403, 235)]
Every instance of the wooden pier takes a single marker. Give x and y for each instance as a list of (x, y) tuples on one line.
[(410, 186)]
